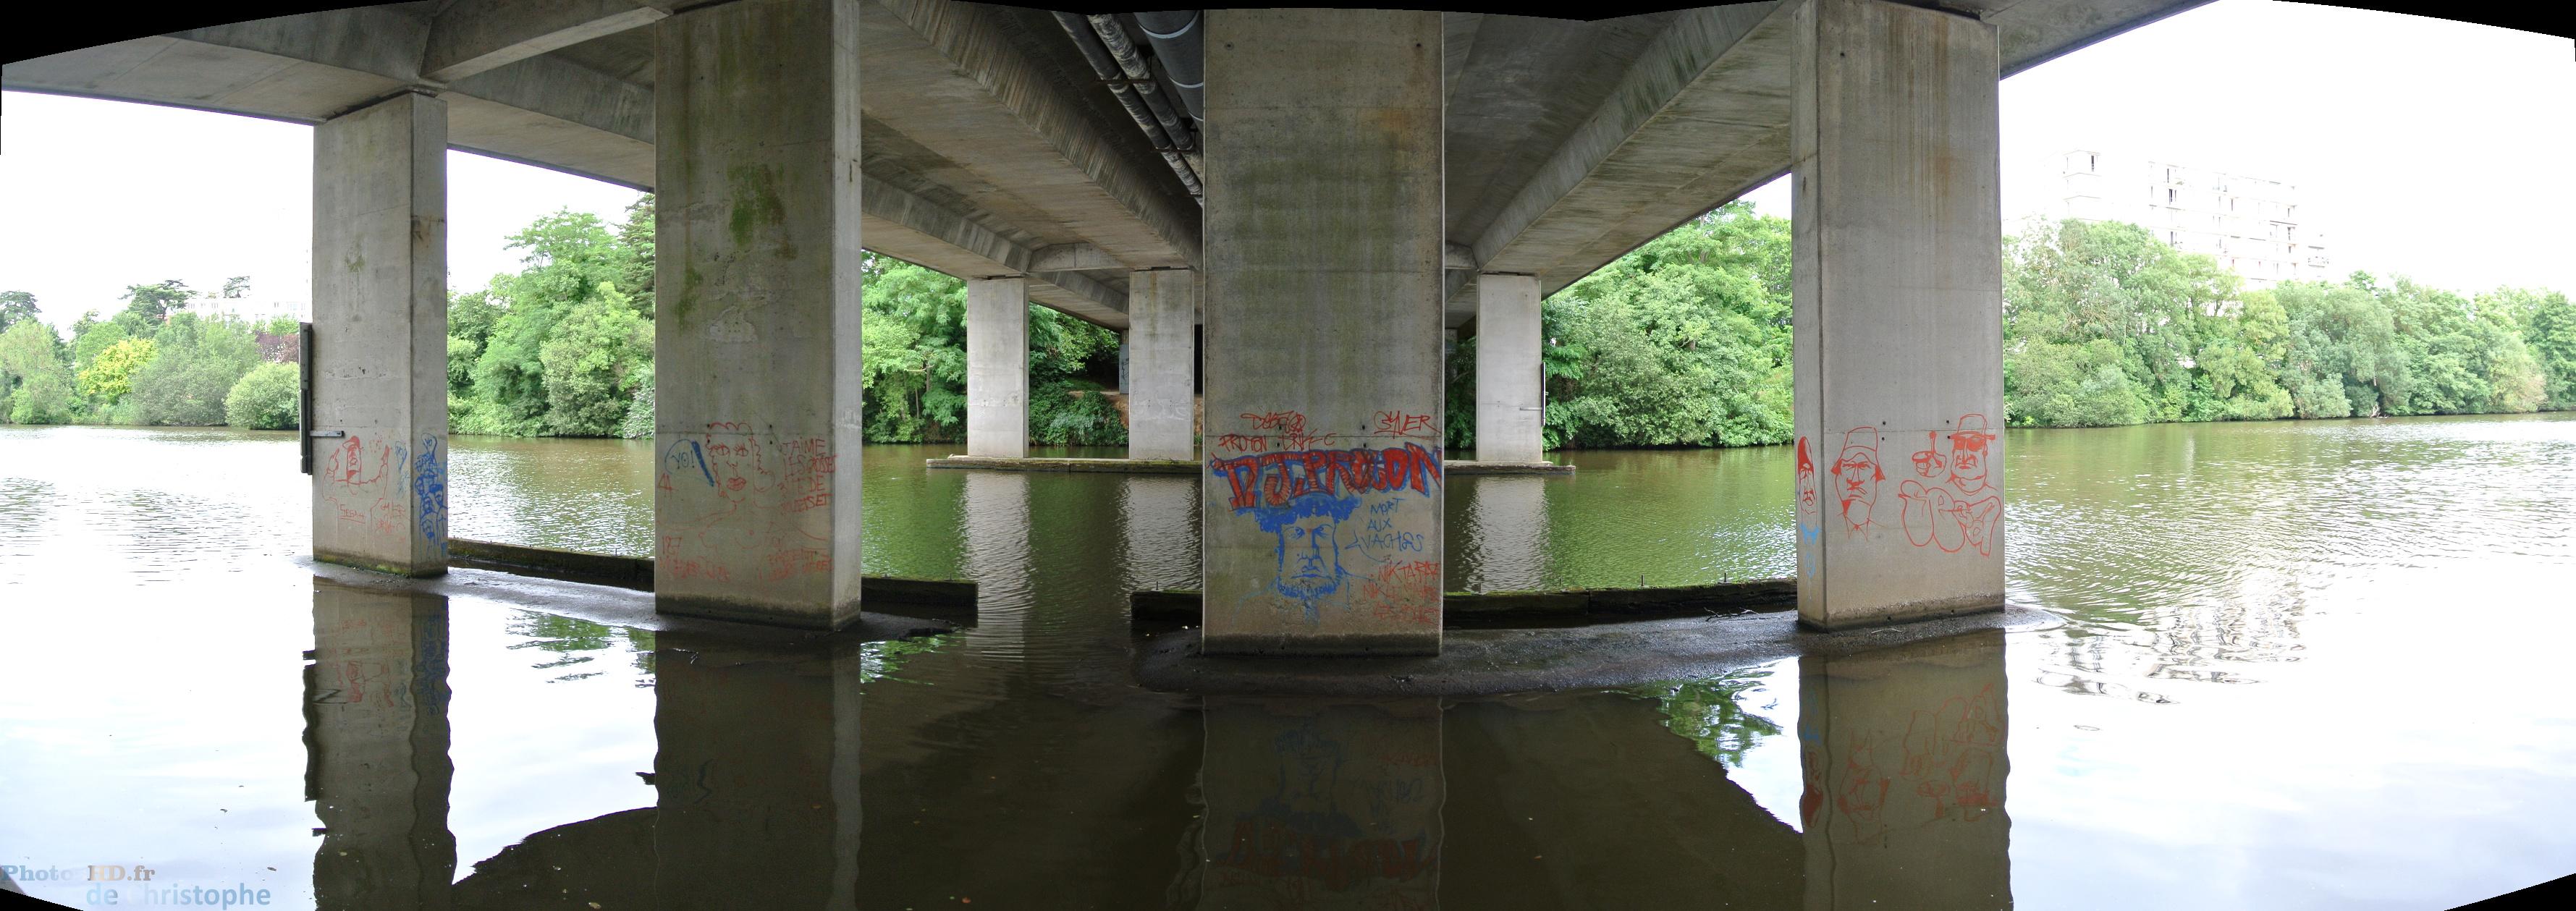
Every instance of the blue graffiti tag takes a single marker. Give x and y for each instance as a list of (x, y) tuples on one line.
[(429, 488)]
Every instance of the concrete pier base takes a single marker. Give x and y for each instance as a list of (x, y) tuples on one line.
[(1321, 529), (1162, 362), (757, 341), (1507, 369), (1897, 279), (997, 367), (380, 337)]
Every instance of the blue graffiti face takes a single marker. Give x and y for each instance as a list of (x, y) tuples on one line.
[(1310, 557)]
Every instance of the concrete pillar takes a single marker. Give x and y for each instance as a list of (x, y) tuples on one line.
[(1507, 369), (997, 367), (1904, 757), (1162, 314), (1323, 218), (1898, 280), (380, 337), (375, 708), (757, 808), (1308, 800), (757, 345)]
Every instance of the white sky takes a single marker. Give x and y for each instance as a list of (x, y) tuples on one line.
[(2422, 147)]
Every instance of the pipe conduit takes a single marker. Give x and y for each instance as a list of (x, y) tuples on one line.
[(1178, 47), (1110, 72), (1133, 64)]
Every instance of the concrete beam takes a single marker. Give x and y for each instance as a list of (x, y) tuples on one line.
[(1458, 256), (474, 36), (1711, 84), (1075, 258), (911, 227), (953, 77)]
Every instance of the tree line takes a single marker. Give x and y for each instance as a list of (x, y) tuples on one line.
[(1684, 341)]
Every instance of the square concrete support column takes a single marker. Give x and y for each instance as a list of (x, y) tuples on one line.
[(1898, 287), (380, 337), (1322, 502), (997, 367), (1904, 757), (1507, 369), (757, 345), (1162, 312), (375, 713)]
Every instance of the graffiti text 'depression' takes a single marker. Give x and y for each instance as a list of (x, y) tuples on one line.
[(1274, 478)]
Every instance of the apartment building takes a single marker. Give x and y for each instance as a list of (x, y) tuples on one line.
[(2251, 225)]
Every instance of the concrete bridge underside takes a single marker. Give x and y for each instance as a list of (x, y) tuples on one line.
[(1364, 182)]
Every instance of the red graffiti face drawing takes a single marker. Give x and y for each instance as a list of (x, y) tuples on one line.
[(1968, 453), (1856, 476), (1806, 479), (1927, 463)]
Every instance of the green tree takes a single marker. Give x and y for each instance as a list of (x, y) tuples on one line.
[(16, 306), (110, 376), (2549, 329), (635, 274), (196, 363), (35, 375), (266, 398), (590, 365), (155, 302), (236, 286)]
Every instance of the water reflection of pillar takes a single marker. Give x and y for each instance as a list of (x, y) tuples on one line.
[(376, 766), (996, 516), (1507, 528), (1313, 805), (1160, 519), (1905, 767), (758, 775)]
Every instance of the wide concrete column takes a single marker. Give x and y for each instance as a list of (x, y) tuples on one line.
[(757, 345), (377, 770), (1507, 369), (1162, 352), (1898, 280), (997, 367), (1322, 503), (380, 337)]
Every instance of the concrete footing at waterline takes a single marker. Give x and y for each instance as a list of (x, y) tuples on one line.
[(1184, 466), (633, 609), (944, 599), (1489, 662), (1542, 608)]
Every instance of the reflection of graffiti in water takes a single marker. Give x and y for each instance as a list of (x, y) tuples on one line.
[(1948, 759), (1306, 830)]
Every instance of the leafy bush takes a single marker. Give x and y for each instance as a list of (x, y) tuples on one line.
[(266, 398)]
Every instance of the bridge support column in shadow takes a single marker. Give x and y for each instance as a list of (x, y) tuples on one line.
[(757, 343), (1312, 804), (1507, 369), (1897, 278), (1323, 226), (376, 764), (380, 337), (1903, 751), (997, 367), (757, 775), (1162, 352)]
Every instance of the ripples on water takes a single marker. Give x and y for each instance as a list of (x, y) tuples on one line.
[(2330, 651)]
